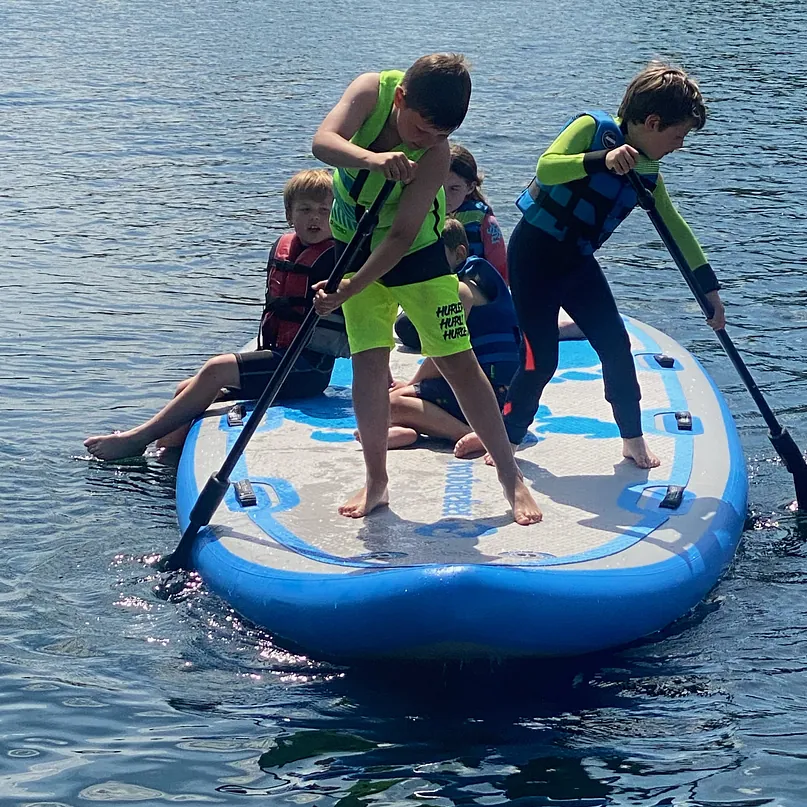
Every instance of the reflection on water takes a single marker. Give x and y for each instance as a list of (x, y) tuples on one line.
[(143, 153)]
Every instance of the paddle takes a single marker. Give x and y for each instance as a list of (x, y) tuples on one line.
[(216, 487), (784, 444)]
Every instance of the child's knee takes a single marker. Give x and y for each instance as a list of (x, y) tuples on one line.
[(220, 369)]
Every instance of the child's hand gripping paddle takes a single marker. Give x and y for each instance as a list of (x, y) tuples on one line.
[(216, 487)]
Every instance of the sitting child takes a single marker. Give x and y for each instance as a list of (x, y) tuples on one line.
[(427, 405), (296, 261), (466, 202)]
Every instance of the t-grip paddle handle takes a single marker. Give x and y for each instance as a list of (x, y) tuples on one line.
[(215, 489), (780, 438)]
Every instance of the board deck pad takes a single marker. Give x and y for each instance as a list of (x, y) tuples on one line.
[(600, 511)]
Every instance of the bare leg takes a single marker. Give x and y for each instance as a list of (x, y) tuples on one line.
[(397, 437), (371, 405), (176, 439), (200, 392), (568, 329), (400, 437), (425, 417), (478, 402), (636, 449)]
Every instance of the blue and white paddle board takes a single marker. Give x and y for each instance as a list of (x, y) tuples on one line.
[(444, 572)]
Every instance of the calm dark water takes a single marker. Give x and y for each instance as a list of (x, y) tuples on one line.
[(143, 149)]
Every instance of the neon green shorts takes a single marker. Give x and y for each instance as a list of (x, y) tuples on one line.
[(433, 306)]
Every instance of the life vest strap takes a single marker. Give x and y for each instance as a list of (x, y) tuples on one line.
[(288, 266)]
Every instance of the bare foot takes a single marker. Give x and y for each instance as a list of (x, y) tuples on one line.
[(401, 436), (398, 436), (365, 501), (469, 447), (525, 510), (488, 460), (636, 449), (115, 446)]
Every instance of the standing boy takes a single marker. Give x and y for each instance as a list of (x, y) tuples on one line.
[(577, 199), (392, 125)]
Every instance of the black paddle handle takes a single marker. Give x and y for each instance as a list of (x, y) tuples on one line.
[(780, 438), (216, 486)]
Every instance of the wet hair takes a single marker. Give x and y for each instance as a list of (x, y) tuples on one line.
[(463, 165), (314, 184), (663, 90), (438, 87), (454, 235)]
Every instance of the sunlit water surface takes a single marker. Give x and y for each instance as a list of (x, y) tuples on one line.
[(143, 148)]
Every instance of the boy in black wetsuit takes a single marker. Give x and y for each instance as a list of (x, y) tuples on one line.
[(579, 196)]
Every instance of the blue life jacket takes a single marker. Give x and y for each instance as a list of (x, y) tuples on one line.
[(495, 337), (471, 214), (585, 212)]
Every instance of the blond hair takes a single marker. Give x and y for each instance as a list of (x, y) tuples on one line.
[(315, 184), (663, 90)]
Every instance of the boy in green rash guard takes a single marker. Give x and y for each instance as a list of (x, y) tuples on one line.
[(579, 196), (392, 125)]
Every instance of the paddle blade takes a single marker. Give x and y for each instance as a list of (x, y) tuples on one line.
[(793, 459)]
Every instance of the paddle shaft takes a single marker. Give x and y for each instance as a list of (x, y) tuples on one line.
[(216, 487), (778, 435)]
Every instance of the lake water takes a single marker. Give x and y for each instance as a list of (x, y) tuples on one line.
[(143, 148)]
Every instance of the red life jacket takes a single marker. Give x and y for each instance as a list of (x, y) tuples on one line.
[(290, 272)]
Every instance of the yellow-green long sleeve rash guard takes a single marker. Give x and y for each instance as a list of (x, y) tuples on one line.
[(567, 159)]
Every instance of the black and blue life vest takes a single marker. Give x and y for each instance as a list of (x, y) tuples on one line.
[(583, 213), (471, 214), (493, 327)]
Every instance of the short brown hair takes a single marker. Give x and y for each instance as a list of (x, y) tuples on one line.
[(315, 184), (663, 90), (454, 234), (438, 87)]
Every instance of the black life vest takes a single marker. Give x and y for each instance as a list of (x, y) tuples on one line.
[(290, 272)]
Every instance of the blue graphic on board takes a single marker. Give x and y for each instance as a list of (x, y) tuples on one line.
[(591, 428), (458, 489), (574, 360)]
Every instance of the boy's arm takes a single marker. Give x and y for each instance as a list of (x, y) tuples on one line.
[(332, 140), (693, 253), (416, 202), (567, 159)]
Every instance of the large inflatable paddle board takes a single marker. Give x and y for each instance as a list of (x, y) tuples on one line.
[(444, 572)]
